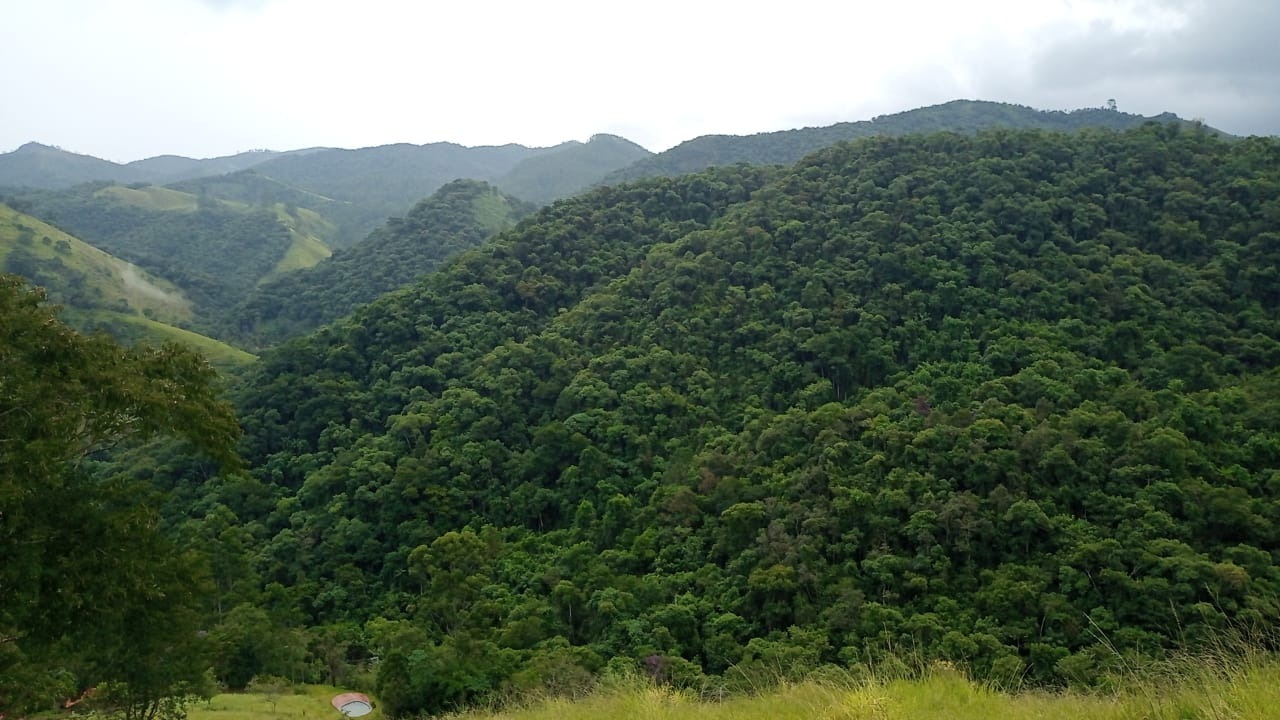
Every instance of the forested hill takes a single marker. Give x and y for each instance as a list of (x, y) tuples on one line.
[(788, 146), (1009, 399), (569, 168), (460, 215)]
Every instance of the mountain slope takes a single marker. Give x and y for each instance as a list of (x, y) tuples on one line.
[(460, 215), (569, 168), (215, 250), (101, 292), (1008, 400), (787, 146), (357, 190), (81, 275), (42, 166)]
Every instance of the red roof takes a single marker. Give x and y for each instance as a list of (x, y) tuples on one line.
[(345, 699)]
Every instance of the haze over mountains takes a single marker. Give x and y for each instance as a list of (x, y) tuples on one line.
[(346, 173), (221, 227)]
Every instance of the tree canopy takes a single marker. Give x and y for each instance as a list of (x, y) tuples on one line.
[(458, 216), (1007, 399), (90, 588)]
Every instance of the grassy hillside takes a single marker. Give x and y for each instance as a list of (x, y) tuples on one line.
[(101, 292), (306, 227), (80, 275), (151, 197), (347, 222), (787, 146), (133, 329), (216, 250)]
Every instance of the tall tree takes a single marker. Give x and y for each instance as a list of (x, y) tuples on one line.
[(88, 585)]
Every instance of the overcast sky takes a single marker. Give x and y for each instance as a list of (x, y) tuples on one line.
[(127, 79)]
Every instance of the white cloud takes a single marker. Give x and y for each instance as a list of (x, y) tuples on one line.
[(200, 77)]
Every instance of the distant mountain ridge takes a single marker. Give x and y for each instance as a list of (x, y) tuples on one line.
[(374, 182), (569, 168), (359, 189), (784, 147), (47, 167), (400, 174)]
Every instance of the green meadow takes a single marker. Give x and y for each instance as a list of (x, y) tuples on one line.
[(309, 702), (151, 197), (307, 228), (79, 274)]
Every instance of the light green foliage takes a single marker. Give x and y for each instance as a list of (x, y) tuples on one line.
[(131, 329), (306, 228), (151, 197), (83, 276)]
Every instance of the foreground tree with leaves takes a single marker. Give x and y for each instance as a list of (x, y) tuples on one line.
[(90, 591)]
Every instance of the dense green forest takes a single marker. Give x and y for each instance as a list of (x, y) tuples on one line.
[(459, 216), (785, 147), (1008, 400)]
